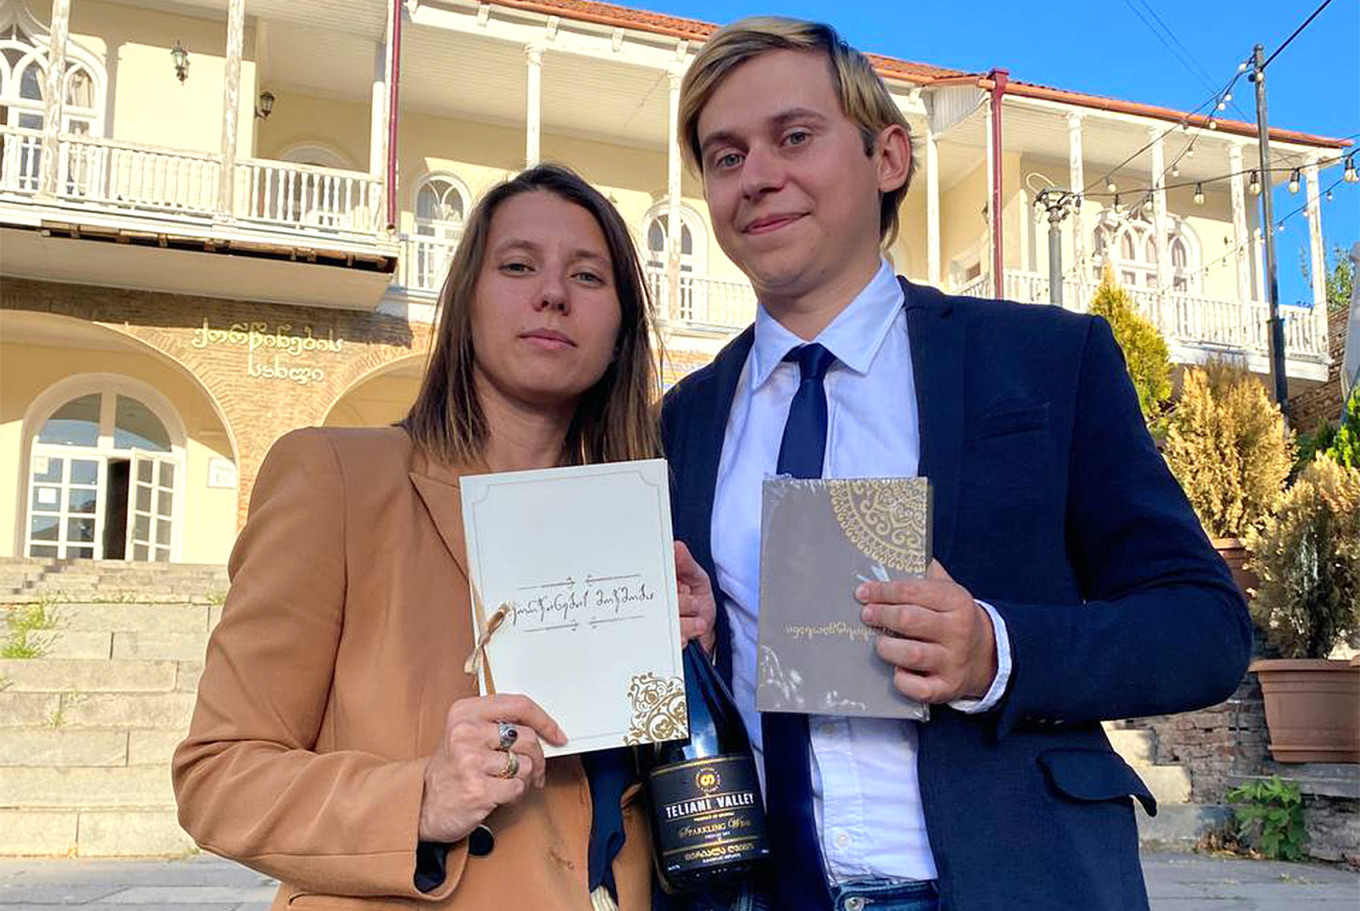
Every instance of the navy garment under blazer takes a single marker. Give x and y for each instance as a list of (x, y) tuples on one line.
[(1052, 504)]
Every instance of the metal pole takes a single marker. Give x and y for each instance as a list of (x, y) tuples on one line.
[(1277, 367), (1055, 289)]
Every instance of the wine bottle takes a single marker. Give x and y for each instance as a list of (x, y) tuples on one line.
[(708, 820)]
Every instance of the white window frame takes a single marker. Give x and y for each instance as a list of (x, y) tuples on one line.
[(16, 17), (109, 386)]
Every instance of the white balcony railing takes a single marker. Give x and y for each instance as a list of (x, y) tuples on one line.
[(297, 195), (703, 302), (118, 175), (425, 261), (1188, 319), (20, 160), (128, 178)]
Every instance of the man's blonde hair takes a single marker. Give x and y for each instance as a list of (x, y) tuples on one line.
[(863, 96)]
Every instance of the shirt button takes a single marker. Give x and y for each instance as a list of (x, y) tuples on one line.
[(842, 840)]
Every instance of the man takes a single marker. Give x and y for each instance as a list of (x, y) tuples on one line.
[(1073, 582)]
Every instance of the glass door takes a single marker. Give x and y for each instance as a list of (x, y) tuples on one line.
[(151, 506), (64, 515)]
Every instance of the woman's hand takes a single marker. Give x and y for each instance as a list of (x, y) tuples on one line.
[(698, 612), (463, 782)]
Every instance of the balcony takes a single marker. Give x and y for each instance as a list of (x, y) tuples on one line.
[(1194, 326), (170, 198)]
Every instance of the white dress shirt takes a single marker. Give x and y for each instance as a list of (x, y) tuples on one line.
[(866, 794)]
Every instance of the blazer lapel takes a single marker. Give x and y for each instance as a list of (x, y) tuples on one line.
[(935, 335), (438, 490), (710, 427)]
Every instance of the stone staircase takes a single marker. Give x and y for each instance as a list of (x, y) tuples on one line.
[(1179, 823), (87, 726)]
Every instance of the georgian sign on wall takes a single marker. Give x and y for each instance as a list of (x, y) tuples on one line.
[(277, 352)]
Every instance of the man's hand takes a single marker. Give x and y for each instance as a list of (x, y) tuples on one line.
[(698, 612), (939, 638)]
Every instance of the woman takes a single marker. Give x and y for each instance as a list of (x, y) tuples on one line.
[(337, 743)]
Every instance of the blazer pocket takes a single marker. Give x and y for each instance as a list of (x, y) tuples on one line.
[(1008, 417), (1095, 775)]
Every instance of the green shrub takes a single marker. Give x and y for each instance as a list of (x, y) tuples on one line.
[(1145, 352), (1226, 444), (1270, 817), (1307, 556)]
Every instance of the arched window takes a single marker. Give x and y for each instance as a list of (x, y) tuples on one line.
[(1135, 264), (24, 52), (106, 472), (441, 204), (692, 264)]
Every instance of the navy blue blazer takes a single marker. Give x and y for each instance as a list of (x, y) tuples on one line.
[(1053, 505)]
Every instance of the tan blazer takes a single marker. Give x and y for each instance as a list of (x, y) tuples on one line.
[(340, 650)]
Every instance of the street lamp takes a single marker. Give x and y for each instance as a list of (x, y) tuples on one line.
[(181, 58), (265, 106)]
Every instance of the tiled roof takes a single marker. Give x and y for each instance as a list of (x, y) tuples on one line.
[(890, 67)]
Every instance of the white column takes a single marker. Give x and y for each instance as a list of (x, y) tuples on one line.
[(1317, 254), (55, 96), (932, 207), (997, 282), (1076, 180), (674, 229), (377, 121), (533, 55), (1241, 239), (1161, 226), (231, 103)]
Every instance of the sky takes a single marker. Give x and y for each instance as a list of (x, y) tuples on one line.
[(1111, 48)]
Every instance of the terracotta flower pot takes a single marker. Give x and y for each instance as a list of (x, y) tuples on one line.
[(1312, 708), (1234, 553)]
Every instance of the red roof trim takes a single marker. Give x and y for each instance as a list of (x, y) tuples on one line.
[(892, 68)]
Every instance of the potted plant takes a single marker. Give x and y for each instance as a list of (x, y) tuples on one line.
[(1226, 444), (1307, 557)]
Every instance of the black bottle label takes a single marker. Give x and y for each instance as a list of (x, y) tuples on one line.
[(708, 813)]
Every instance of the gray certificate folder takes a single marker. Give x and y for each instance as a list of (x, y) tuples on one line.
[(819, 540)]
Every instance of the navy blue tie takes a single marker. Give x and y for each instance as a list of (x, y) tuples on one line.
[(800, 880)]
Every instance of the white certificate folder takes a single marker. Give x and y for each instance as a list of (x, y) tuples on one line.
[(574, 597)]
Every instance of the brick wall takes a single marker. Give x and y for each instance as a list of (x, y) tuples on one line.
[(1308, 409), (268, 368)]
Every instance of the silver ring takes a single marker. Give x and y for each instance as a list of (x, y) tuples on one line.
[(506, 735), (511, 767)]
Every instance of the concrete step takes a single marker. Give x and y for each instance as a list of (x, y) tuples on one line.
[(151, 618), (1170, 784), (1178, 827), (55, 675), (116, 748), (1139, 748), (122, 711), (93, 832), (85, 787)]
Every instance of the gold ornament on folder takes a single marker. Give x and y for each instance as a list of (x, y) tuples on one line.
[(886, 521), (659, 711)]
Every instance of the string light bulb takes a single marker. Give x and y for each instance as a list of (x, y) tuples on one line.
[(1175, 171), (1329, 195), (1213, 124), (1294, 181), (1350, 176), (1116, 200), (1227, 96), (1110, 186), (1223, 105), (1199, 194), (1254, 185)]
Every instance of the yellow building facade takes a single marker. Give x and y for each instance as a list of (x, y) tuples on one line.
[(224, 219)]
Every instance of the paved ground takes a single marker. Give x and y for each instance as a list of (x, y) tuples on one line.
[(1176, 882)]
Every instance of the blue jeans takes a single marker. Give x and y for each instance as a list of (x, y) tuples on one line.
[(885, 895), (871, 894)]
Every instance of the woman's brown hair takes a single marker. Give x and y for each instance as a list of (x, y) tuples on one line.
[(615, 419)]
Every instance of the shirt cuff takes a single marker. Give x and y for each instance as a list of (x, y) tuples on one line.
[(1003, 669)]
